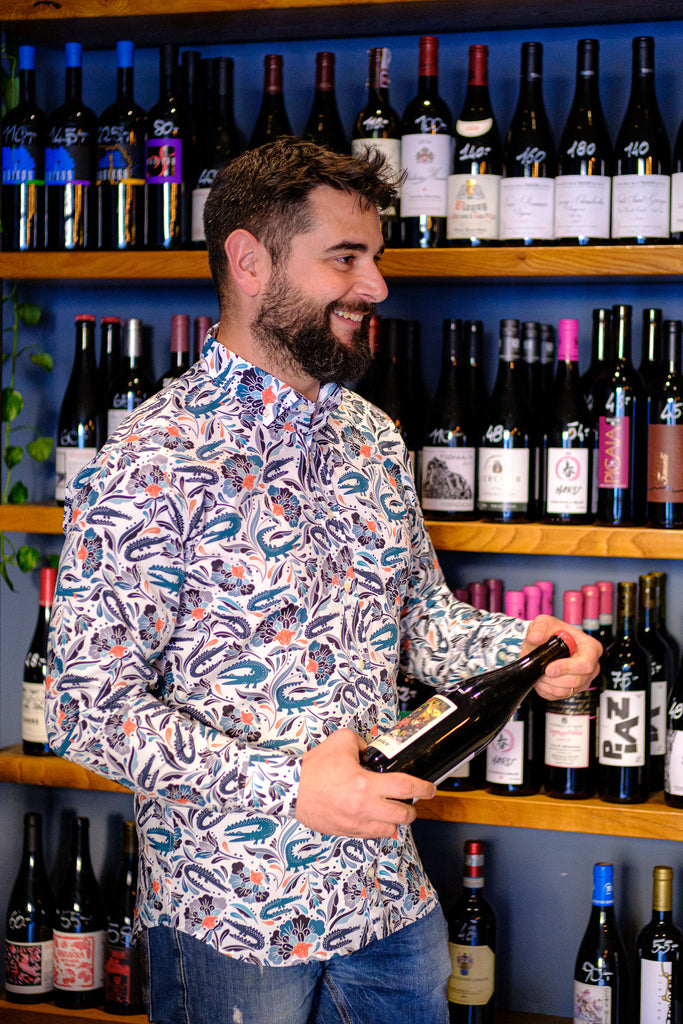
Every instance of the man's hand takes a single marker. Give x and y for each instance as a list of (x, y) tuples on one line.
[(338, 797), (566, 676)]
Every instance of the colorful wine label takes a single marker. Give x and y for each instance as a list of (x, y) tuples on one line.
[(664, 463), (448, 479), (473, 974), (79, 961), (473, 206), (567, 481), (592, 1003), (613, 451), (414, 725), (164, 161), (29, 967)]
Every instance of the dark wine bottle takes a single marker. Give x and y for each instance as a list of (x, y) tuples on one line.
[(505, 472), (448, 728), (537, 402), (167, 148), (673, 759), (324, 125), (532, 384), (110, 354), (474, 183), (378, 126), (272, 121), (202, 325), (218, 142), (368, 384), (426, 155), (621, 418), (660, 596), (584, 159), (472, 946), (677, 188), (661, 676), (665, 436), (122, 966), (547, 357), (659, 948), (473, 380), (80, 428), (601, 975), (624, 719), (33, 734), (642, 159), (570, 439), (121, 163), (24, 136), (29, 945), (393, 395), (71, 165), (450, 441), (600, 355), (79, 929), (132, 385), (180, 350), (606, 612), (652, 357), (527, 188)]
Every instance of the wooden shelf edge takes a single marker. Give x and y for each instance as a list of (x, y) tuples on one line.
[(51, 771), (31, 518)]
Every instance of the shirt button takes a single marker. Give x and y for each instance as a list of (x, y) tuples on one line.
[(347, 586), (371, 872)]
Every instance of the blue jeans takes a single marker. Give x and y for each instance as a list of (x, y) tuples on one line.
[(398, 979)]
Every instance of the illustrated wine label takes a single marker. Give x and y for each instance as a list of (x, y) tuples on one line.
[(505, 756), (527, 208), (119, 160), (673, 762), (414, 725), (613, 451), (623, 738), (473, 974), (567, 481), (677, 201), (664, 463), (582, 205), (448, 479), (592, 1003), (122, 975), (29, 967), (504, 479), (67, 160), (567, 740), (21, 157), (658, 702), (163, 161), (640, 205), (656, 980), (33, 713), (472, 206), (427, 160), (79, 961), (69, 462)]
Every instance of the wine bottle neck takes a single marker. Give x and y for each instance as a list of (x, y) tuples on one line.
[(124, 83), (27, 86), (428, 85), (33, 837), (324, 72), (74, 80)]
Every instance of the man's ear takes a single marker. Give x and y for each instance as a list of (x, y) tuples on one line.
[(249, 261)]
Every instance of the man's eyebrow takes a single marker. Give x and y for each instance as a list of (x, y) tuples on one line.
[(351, 247)]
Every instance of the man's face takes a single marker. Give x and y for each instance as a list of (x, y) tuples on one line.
[(316, 307)]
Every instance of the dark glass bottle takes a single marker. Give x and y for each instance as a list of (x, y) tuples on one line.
[(33, 734), (272, 121), (167, 150), (218, 142), (532, 384), (110, 355), (121, 163), (24, 135), (661, 676), (601, 975), (473, 380), (673, 759), (122, 966), (547, 357), (472, 946), (624, 719), (324, 125), (677, 188), (378, 126), (659, 948), (368, 385), (132, 385), (660, 594), (600, 354), (505, 485), (652, 357), (426, 155), (180, 350), (450, 442), (606, 612), (71, 166), (393, 395), (29, 945), (570, 439), (477, 162), (537, 402), (80, 429), (527, 188), (621, 420), (79, 929), (642, 159), (448, 728), (665, 436), (584, 159)]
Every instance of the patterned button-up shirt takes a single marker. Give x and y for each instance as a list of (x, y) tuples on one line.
[(243, 569)]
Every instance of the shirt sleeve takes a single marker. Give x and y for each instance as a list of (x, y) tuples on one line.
[(129, 532)]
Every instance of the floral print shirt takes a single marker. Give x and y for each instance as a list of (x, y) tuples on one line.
[(242, 572)]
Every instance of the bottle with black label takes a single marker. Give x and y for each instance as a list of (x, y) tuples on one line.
[(473, 379), (218, 142), (29, 944), (33, 733), (80, 428), (110, 354), (393, 393), (122, 966), (167, 149), (600, 354), (24, 133), (472, 946), (601, 974), (272, 121), (132, 385)]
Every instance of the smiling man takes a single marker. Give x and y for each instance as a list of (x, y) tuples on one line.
[(245, 565)]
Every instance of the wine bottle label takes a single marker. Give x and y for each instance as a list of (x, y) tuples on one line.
[(527, 208), (640, 205), (592, 1003), (622, 733), (473, 206), (613, 451), (390, 148), (567, 480), (69, 163), (427, 160), (473, 129), (414, 725), (673, 763), (656, 987), (582, 205), (199, 197), (69, 462), (117, 159), (658, 702), (19, 161), (503, 479), (79, 961), (164, 161), (448, 479), (122, 981), (33, 713), (665, 463), (676, 201), (567, 740), (29, 967), (505, 755), (461, 771), (473, 974)]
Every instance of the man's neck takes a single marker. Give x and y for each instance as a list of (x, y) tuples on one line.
[(239, 339)]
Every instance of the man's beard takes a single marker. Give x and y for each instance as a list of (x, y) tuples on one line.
[(291, 326)]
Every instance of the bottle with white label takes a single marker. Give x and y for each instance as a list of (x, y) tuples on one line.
[(661, 675), (79, 428), (659, 948), (132, 385), (673, 762), (33, 733), (601, 974), (677, 188), (472, 946), (624, 718)]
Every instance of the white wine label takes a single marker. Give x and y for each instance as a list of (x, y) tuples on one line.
[(79, 961), (622, 734), (503, 479), (390, 148), (677, 201), (582, 205), (656, 983), (199, 196), (567, 480), (427, 159), (473, 976), (69, 462), (640, 205), (414, 725), (567, 740), (658, 702), (33, 713), (473, 206), (505, 756), (527, 208), (592, 1003), (473, 129), (29, 967), (461, 771), (673, 763), (448, 479)]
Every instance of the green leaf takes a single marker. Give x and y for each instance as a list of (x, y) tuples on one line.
[(53, 561), (12, 404), (28, 313), (11, 92), (13, 455), (27, 558), (3, 574), (18, 494), (42, 359), (5, 357), (40, 448)]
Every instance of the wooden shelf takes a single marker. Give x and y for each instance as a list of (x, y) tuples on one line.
[(51, 771)]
